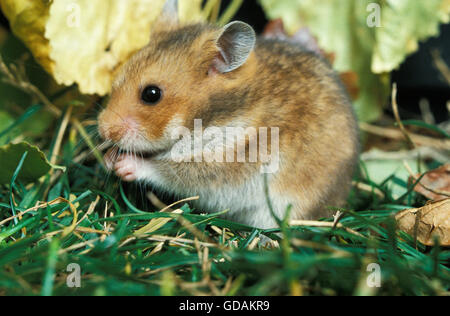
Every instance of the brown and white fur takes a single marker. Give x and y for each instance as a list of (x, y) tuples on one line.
[(228, 77)]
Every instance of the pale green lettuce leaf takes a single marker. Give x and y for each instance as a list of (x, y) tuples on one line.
[(404, 24), (371, 52)]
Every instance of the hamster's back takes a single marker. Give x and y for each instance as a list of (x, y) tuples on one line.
[(319, 141)]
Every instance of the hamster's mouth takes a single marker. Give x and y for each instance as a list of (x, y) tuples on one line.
[(143, 154), (143, 151)]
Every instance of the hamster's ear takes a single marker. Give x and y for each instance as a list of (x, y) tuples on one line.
[(169, 15), (235, 44)]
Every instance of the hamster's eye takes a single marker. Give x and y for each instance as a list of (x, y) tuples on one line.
[(151, 95)]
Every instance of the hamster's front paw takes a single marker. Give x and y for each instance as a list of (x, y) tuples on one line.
[(125, 166)]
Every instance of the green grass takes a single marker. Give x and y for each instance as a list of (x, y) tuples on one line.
[(36, 249)]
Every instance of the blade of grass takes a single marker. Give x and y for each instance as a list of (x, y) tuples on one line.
[(28, 114), (13, 180), (52, 259), (426, 126), (230, 12)]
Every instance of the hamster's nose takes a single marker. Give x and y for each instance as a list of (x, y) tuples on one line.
[(126, 128), (114, 127), (130, 125)]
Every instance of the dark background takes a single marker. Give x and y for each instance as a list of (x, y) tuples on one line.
[(417, 78)]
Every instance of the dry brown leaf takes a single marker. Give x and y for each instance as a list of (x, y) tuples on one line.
[(434, 183), (350, 80), (427, 222)]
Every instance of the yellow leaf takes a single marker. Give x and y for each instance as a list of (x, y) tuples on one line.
[(27, 19), (89, 40), (191, 11), (85, 42)]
